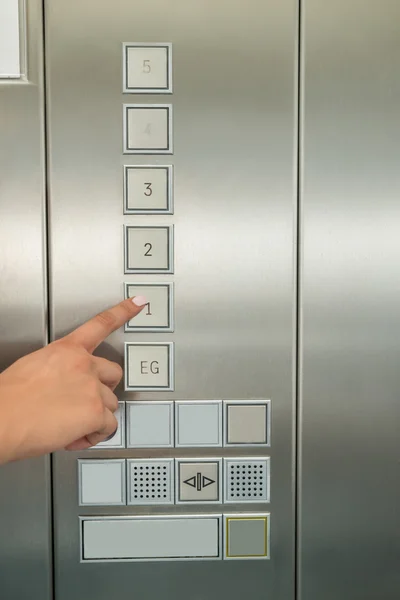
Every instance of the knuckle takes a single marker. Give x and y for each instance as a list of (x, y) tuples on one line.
[(106, 319)]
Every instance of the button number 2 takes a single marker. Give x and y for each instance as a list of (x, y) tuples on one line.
[(149, 248)]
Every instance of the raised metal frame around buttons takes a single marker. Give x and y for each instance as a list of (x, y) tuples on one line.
[(169, 388), (170, 327), (170, 250), (170, 191), (149, 90), (168, 149)]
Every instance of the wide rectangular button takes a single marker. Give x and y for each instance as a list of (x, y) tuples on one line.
[(198, 423), (246, 422), (151, 538), (148, 129), (148, 189), (10, 67), (246, 536), (150, 424), (102, 482), (157, 315), (147, 68), (149, 249), (149, 366)]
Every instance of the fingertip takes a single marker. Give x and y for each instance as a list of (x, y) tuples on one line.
[(139, 301)]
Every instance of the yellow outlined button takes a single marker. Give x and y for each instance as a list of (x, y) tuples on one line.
[(247, 536)]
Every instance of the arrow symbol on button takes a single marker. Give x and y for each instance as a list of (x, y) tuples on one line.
[(199, 481)]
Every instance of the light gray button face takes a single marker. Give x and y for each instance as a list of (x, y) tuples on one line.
[(246, 480), (150, 425), (102, 482), (143, 538), (246, 536), (246, 423), (148, 189), (148, 129), (148, 366), (147, 68), (198, 424), (150, 482), (148, 249), (118, 441), (198, 481), (157, 315)]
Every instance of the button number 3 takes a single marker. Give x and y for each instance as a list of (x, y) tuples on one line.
[(148, 191)]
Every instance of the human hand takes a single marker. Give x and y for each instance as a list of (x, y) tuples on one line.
[(61, 396)]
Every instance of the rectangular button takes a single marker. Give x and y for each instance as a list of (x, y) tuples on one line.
[(147, 68), (198, 423), (198, 480), (246, 536), (157, 315), (150, 424), (150, 481), (149, 366), (145, 538), (118, 441), (148, 129), (247, 422), (149, 249), (148, 189), (102, 482), (246, 480)]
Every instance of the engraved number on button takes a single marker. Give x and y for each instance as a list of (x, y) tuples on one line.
[(148, 129), (148, 307), (148, 191), (149, 248), (146, 66)]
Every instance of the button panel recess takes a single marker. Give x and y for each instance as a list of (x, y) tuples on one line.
[(236, 472)]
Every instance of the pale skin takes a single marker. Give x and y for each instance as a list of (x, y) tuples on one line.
[(62, 397)]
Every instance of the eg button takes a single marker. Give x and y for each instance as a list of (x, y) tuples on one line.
[(148, 366)]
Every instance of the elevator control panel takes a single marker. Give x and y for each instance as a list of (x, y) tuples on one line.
[(209, 458)]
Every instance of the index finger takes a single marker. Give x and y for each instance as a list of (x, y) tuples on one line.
[(93, 332)]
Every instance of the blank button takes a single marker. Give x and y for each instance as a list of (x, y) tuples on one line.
[(102, 482), (246, 536), (150, 425), (148, 129), (199, 424), (246, 423)]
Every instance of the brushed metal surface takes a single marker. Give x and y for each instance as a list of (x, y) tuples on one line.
[(350, 543), (25, 567), (234, 71)]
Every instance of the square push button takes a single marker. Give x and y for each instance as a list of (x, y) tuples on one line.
[(148, 190), (198, 481), (247, 423), (149, 366), (148, 129), (147, 68), (150, 424), (102, 482), (149, 249), (118, 441), (247, 536), (157, 315), (198, 424)]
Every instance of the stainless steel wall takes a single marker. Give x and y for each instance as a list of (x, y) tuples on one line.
[(25, 568), (234, 102), (350, 490)]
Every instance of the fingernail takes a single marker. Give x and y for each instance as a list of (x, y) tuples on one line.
[(139, 300)]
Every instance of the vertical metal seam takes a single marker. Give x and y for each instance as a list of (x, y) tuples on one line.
[(47, 271), (299, 338)]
